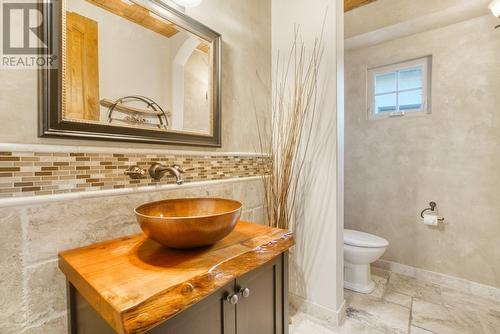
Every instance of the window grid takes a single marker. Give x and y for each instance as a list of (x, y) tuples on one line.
[(398, 91)]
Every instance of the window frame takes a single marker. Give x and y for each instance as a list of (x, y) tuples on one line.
[(425, 63)]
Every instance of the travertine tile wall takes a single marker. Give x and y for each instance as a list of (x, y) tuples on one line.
[(32, 289), (44, 173)]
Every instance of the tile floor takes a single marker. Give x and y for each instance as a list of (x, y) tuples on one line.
[(401, 304)]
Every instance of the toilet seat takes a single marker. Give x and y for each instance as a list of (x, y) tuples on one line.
[(362, 239)]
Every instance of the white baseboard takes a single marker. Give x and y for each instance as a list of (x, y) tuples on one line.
[(341, 313), (461, 284), (332, 317)]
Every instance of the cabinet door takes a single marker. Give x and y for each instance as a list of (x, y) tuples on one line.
[(262, 311), (213, 315)]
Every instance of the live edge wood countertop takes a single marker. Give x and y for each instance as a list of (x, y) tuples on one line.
[(136, 284)]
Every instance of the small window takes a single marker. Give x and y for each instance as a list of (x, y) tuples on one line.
[(400, 89)]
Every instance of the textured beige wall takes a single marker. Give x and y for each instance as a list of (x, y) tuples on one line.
[(395, 167), (246, 80)]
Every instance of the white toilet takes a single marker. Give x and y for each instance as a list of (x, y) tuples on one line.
[(360, 250)]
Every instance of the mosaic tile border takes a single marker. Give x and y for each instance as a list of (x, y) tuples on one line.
[(27, 174)]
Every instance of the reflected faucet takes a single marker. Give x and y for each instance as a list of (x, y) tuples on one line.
[(157, 171)]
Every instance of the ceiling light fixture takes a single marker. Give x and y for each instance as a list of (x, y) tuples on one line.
[(495, 9), (188, 3)]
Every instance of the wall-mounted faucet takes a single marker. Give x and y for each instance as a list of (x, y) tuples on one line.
[(157, 170)]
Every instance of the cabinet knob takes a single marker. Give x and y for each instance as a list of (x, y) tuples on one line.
[(245, 292), (233, 299)]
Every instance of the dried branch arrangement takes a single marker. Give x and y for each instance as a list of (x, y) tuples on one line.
[(295, 98)]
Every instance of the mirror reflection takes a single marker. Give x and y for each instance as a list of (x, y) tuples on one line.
[(127, 66)]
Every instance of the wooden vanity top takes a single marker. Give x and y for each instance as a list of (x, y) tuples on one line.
[(136, 284)]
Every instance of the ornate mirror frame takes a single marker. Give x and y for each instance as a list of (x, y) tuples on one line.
[(52, 124)]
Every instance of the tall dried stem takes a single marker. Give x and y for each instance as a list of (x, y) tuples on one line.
[(294, 107)]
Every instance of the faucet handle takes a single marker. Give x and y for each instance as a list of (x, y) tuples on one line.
[(135, 172)]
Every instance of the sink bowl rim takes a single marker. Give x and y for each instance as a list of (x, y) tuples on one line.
[(239, 204)]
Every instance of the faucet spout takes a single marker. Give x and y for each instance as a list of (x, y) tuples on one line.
[(157, 171)]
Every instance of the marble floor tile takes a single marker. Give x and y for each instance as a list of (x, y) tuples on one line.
[(397, 298), (434, 309), (302, 323), (348, 294), (465, 301), (307, 324), (487, 310), (376, 271), (489, 321), (418, 330), (378, 313), (442, 319), (353, 326), (412, 287), (380, 285)]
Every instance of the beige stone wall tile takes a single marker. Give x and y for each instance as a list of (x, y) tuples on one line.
[(45, 291), (249, 193), (55, 227), (11, 289), (57, 325)]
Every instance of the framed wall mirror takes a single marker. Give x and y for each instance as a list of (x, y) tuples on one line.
[(133, 70)]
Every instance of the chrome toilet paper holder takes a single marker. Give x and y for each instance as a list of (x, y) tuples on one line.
[(432, 207)]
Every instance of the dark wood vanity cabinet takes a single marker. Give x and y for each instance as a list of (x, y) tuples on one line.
[(261, 312), (134, 285), (264, 310), (213, 315), (260, 307)]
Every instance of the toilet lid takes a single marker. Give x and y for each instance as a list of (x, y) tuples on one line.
[(362, 239)]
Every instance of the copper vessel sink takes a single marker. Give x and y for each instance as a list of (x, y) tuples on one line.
[(188, 223)]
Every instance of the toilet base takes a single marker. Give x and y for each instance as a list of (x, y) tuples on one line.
[(367, 289), (357, 277)]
